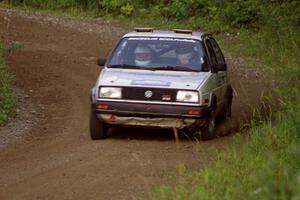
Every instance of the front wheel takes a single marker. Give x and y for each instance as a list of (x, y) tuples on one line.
[(207, 131), (226, 114), (98, 129)]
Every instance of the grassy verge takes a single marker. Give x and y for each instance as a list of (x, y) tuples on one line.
[(7, 99), (267, 166)]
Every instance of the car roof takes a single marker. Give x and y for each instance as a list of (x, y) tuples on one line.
[(177, 33)]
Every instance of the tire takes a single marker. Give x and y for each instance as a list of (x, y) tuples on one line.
[(207, 131), (98, 129), (226, 113)]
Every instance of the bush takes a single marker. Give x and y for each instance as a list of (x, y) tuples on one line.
[(7, 99), (242, 13), (213, 15)]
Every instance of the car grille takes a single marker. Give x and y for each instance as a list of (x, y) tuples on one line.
[(149, 94)]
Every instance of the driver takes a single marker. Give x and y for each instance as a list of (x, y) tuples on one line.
[(186, 56), (142, 55)]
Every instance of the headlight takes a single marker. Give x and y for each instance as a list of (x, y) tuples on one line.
[(110, 92), (187, 96)]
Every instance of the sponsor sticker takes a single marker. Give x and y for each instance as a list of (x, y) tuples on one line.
[(150, 82), (163, 39), (166, 97)]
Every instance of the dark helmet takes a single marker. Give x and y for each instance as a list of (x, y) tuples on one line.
[(185, 53)]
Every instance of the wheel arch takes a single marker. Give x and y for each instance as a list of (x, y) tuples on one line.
[(213, 101)]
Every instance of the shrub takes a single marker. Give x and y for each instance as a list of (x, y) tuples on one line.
[(7, 99)]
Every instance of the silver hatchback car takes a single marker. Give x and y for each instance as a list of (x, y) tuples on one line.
[(167, 79)]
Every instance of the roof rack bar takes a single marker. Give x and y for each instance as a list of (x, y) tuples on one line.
[(182, 31), (143, 29)]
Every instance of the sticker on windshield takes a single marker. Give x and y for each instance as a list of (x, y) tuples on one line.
[(177, 40), (150, 82), (143, 38), (162, 39)]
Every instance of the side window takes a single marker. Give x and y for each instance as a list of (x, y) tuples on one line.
[(213, 59), (217, 50)]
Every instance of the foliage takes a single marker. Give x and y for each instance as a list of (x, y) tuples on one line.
[(7, 99), (213, 15)]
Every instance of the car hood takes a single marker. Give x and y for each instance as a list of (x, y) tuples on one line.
[(147, 78)]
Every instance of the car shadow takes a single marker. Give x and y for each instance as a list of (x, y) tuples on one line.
[(223, 128), (125, 133)]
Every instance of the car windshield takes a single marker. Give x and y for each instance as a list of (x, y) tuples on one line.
[(158, 53)]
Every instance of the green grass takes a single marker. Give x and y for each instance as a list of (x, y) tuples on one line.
[(7, 99)]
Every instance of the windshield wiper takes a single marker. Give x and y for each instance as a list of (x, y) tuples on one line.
[(174, 68), (124, 66)]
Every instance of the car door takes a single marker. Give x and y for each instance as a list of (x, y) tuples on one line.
[(221, 74), (218, 78), (214, 82)]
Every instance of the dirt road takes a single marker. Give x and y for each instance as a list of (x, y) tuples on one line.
[(52, 156)]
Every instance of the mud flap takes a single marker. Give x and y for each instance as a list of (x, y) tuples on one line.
[(175, 131)]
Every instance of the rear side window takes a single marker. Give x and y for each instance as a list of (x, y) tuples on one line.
[(211, 52), (217, 50)]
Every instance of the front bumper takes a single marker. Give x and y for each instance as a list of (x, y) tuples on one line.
[(150, 115)]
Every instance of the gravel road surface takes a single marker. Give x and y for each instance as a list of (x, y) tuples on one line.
[(46, 151)]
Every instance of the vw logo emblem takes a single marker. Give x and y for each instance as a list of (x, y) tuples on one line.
[(148, 94)]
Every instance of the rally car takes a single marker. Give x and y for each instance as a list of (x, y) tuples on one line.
[(167, 79)]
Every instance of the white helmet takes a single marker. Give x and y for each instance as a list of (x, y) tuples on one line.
[(143, 55)]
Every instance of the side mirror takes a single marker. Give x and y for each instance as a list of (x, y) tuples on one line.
[(101, 61)]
